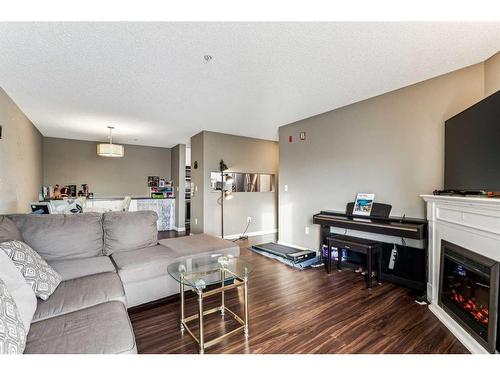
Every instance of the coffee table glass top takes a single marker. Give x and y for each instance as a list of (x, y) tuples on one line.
[(201, 271)]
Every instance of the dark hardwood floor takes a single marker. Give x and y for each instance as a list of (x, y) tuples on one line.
[(306, 311)]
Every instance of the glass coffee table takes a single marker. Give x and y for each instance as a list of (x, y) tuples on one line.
[(197, 273)]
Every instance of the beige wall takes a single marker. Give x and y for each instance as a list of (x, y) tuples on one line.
[(492, 74), (20, 158), (69, 161), (241, 154), (178, 169), (391, 145)]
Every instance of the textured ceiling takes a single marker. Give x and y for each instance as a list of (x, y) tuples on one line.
[(151, 82)]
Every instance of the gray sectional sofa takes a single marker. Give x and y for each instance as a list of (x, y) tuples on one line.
[(108, 262)]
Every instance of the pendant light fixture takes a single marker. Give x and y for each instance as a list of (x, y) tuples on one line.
[(110, 150)]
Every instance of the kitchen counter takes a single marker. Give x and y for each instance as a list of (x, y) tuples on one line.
[(164, 207)]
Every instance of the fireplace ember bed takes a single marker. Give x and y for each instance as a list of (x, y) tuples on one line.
[(469, 293)]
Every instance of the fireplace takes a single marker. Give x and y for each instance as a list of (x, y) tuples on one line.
[(469, 292)]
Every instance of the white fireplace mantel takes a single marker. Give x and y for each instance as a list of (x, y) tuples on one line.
[(470, 222)]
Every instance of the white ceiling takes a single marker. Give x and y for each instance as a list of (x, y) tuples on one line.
[(151, 82)]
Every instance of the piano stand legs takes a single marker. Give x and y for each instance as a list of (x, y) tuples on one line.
[(379, 267), (328, 260), (369, 269)]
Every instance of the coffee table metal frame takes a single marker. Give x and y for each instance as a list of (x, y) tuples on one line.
[(238, 282)]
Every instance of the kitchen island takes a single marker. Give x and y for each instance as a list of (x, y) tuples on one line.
[(165, 208)]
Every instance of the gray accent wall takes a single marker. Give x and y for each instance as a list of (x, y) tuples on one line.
[(68, 161), (241, 154), (21, 169), (391, 145), (178, 169)]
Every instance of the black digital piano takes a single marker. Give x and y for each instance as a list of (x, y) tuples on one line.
[(410, 266)]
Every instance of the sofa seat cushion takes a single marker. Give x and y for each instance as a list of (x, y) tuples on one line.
[(75, 268), (77, 294), (199, 244), (143, 264), (57, 237), (101, 329), (125, 231)]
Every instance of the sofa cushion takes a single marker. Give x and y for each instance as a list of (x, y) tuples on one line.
[(144, 271), (77, 294), (42, 278), (101, 329), (124, 231), (75, 268), (20, 291), (147, 290), (142, 264), (12, 331), (9, 230), (199, 244), (57, 237)]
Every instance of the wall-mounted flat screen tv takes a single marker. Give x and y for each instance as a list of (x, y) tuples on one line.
[(472, 147)]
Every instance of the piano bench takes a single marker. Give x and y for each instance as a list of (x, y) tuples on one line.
[(358, 245)]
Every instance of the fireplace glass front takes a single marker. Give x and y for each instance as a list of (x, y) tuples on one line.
[(469, 292)]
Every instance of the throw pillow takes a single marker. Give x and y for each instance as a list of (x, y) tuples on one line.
[(12, 332), (19, 289), (42, 277)]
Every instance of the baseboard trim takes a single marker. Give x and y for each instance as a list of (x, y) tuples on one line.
[(430, 292), (250, 234)]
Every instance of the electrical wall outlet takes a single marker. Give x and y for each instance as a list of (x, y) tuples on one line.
[(286, 187), (195, 221), (307, 230), (249, 219)]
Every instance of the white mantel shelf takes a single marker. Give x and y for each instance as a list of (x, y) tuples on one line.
[(469, 222), (460, 199)]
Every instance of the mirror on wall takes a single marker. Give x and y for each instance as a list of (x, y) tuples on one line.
[(239, 182)]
